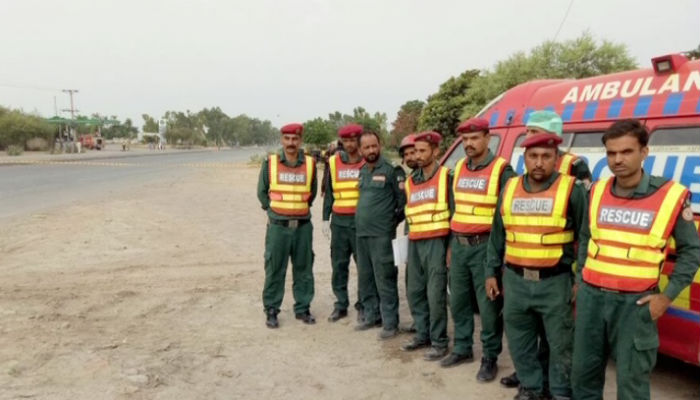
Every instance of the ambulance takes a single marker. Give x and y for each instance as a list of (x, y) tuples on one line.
[(666, 98)]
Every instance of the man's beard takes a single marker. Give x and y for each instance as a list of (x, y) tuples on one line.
[(371, 157)]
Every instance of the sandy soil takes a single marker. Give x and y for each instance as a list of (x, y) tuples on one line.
[(155, 294)]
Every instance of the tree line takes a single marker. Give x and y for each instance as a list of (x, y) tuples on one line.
[(212, 126)]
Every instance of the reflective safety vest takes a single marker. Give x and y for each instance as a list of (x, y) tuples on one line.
[(344, 182), (290, 187), (476, 195), (565, 162), (535, 223), (427, 210), (629, 236)]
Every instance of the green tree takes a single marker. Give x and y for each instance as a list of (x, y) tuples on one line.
[(17, 127), (319, 131), (442, 111), (150, 124), (573, 59), (406, 121)]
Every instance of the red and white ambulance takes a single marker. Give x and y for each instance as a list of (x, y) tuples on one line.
[(666, 98)]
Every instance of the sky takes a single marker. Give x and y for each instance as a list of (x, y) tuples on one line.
[(294, 60)]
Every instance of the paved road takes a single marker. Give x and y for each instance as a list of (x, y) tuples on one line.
[(48, 183)]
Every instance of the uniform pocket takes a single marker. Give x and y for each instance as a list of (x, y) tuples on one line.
[(646, 342)]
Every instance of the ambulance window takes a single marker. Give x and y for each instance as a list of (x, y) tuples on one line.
[(675, 137), (587, 139), (566, 140), (457, 153)]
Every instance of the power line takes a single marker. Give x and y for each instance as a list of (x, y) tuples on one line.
[(31, 87), (561, 25)]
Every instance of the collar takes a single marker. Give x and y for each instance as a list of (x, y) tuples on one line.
[(483, 164), (642, 188), (548, 183)]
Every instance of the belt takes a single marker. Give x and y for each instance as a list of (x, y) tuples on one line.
[(289, 223), (654, 289), (538, 274), (472, 240)]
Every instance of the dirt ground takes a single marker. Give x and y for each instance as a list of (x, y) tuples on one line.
[(154, 293)]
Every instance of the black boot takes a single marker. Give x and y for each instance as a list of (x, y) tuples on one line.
[(455, 359), (272, 321), (306, 318), (511, 381), (337, 314), (488, 370)]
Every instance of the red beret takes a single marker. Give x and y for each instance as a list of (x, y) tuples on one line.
[(473, 125), (350, 131), (428, 136), (295, 129), (407, 141), (542, 140)]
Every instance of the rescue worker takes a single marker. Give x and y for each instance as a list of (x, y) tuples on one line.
[(567, 163), (379, 211), (286, 189), (341, 201), (539, 218), (407, 151), (632, 217), (477, 182), (428, 204)]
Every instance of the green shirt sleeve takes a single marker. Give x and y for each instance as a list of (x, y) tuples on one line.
[(507, 173), (687, 256), (328, 199), (398, 182), (578, 206), (314, 184), (580, 170), (264, 185), (496, 243)]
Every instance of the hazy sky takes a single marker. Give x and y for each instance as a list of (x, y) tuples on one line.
[(292, 60)]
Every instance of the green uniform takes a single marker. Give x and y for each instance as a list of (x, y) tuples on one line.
[(426, 279), (611, 324), (547, 301), (379, 211), (343, 245), (283, 241), (467, 279)]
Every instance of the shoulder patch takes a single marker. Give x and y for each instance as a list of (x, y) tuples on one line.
[(687, 214)]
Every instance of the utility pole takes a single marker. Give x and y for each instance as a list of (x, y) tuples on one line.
[(72, 106), (71, 109)]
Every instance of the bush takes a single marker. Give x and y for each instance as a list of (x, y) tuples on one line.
[(37, 144), (17, 127), (14, 150)]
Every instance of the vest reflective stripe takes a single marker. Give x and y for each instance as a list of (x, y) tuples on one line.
[(623, 254), (290, 199), (475, 207), (428, 217), (345, 190), (536, 240), (565, 162)]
